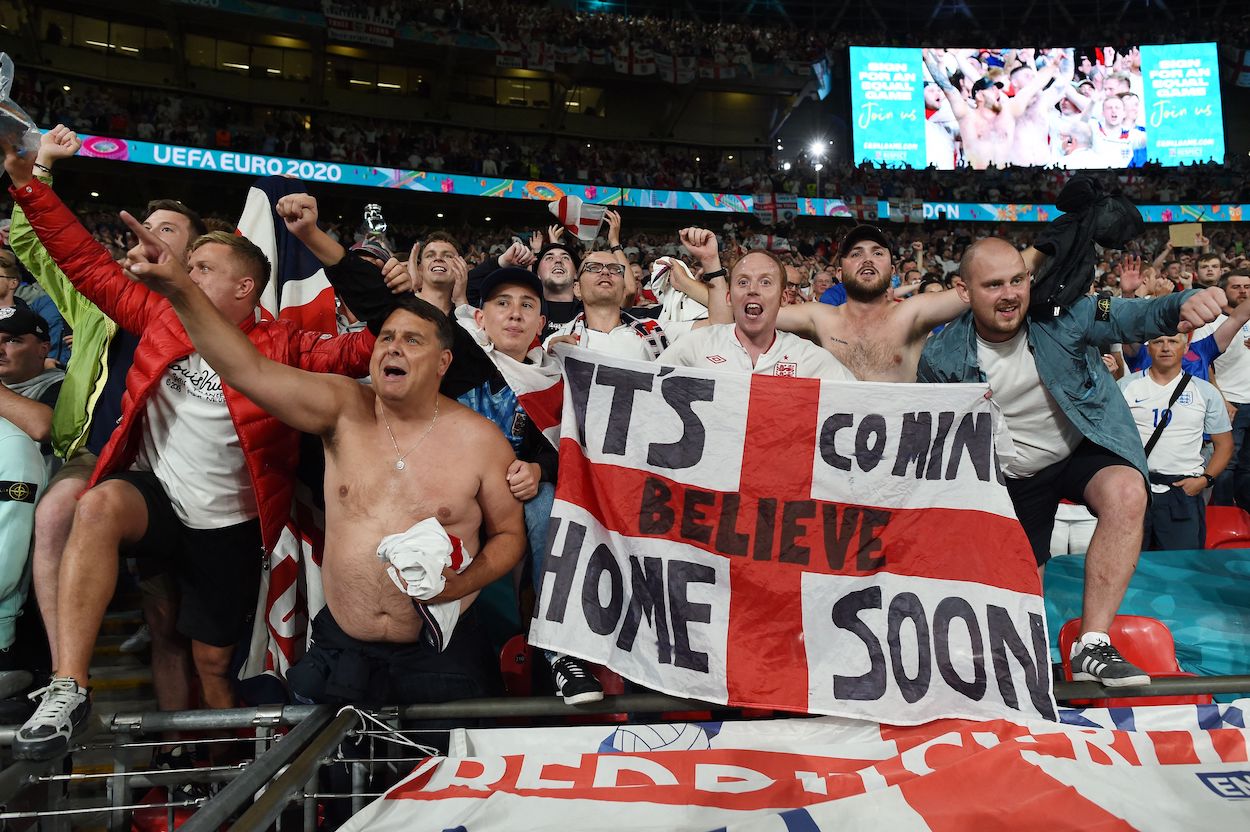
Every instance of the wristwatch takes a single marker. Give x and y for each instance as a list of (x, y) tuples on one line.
[(1210, 479)]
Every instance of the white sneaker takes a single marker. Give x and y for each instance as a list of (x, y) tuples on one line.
[(139, 641), (63, 709)]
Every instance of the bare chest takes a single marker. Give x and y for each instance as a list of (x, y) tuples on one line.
[(366, 482), (875, 350)]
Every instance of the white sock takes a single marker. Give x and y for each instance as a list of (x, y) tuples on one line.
[(1089, 639)]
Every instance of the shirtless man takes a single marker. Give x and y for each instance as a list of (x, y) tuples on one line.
[(366, 647), (988, 129), (874, 337), (1033, 126)]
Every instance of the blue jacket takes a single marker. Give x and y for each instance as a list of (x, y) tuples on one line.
[(1069, 362)]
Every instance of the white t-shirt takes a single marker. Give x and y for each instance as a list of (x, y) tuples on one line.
[(189, 442), (1040, 431), (1198, 410), (717, 347), (624, 341), (1232, 369)]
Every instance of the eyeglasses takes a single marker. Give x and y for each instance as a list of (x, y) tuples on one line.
[(610, 268)]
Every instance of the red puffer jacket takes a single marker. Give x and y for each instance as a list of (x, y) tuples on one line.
[(270, 448)]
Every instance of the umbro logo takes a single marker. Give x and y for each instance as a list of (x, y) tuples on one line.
[(716, 359)]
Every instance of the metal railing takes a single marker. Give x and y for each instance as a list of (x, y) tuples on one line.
[(286, 766)]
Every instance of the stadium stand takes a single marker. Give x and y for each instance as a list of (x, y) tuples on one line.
[(239, 588)]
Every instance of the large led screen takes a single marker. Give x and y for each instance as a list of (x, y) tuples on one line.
[(1082, 107)]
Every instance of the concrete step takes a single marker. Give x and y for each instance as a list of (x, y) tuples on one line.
[(121, 622)]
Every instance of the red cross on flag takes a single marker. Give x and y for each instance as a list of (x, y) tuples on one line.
[(579, 218), (811, 546)]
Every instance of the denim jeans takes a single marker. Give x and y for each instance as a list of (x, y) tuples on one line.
[(537, 519)]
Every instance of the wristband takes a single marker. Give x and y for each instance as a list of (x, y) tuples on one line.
[(708, 277), (44, 168), (616, 247), (1210, 479)]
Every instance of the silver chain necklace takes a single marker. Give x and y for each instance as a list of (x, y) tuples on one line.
[(399, 458)]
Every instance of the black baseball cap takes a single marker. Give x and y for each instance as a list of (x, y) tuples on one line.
[(864, 232), (571, 250), (512, 276), (19, 320), (984, 83)]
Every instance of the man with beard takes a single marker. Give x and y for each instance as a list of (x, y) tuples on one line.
[(987, 128), (871, 335), (1073, 434)]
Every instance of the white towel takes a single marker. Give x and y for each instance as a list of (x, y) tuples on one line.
[(415, 562)]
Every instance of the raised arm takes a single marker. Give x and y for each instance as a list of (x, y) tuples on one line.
[(58, 143), (683, 281), (959, 107), (1228, 330), (85, 262), (1139, 320), (1023, 97), (702, 245), (613, 219), (927, 311), (309, 402)]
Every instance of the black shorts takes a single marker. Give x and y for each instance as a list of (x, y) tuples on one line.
[(341, 670), (1036, 498), (217, 570)]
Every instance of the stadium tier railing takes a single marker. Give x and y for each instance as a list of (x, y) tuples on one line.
[(286, 765), (454, 184)]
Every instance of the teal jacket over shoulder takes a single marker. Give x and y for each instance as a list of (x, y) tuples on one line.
[(1067, 351)]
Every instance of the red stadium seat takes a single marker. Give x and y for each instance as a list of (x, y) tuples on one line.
[(1147, 643), (1228, 527), (516, 666)]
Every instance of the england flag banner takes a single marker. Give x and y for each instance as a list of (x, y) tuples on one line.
[(1152, 768), (816, 547)]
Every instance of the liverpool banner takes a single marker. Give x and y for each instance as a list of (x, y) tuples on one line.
[(1151, 768), (835, 548)]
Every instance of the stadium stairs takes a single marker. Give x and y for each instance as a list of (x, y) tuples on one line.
[(121, 683)]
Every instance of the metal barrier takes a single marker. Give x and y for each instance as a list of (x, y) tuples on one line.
[(286, 767)]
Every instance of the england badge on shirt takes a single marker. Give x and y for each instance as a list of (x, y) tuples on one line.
[(786, 368)]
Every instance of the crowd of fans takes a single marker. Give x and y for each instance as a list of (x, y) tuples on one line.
[(199, 451), (696, 30), (168, 117)]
